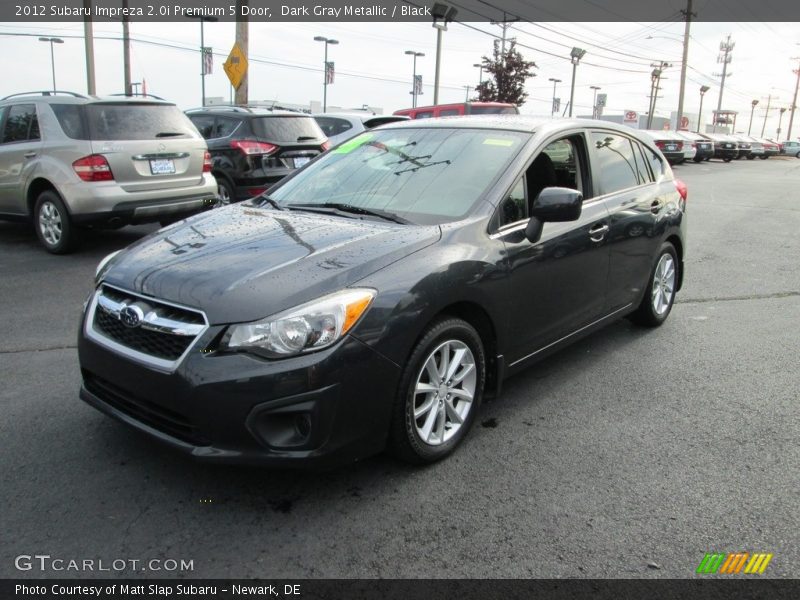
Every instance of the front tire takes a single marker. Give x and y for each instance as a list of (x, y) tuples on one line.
[(54, 228), (440, 392), (661, 287)]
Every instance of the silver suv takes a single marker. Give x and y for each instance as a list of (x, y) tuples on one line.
[(69, 161)]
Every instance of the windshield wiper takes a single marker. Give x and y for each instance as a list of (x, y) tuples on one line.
[(351, 209), (264, 199), (169, 134)]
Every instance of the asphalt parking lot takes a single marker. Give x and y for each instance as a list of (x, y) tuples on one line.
[(630, 454)]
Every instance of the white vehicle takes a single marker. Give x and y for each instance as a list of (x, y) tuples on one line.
[(339, 127)]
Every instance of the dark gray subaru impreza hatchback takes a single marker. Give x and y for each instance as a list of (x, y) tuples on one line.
[(379, 293)]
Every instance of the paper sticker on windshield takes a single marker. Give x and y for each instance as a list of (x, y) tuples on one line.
[(356, 142), (498, 142)]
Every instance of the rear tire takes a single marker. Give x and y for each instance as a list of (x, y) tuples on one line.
[(226, 193), (661, 288), (54, 228), (440, 392)]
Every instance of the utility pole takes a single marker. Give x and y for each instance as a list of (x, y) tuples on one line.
[(88, 42), (703, 90), (594, 100), (684, 62), (505, 24), (242, 34), (655, 87), (126, 49), (468, 88), (553, 108), (766, 114), (724, 57), (780, 120), (794, 102)]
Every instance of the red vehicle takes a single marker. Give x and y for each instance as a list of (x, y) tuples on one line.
[(459, 108)]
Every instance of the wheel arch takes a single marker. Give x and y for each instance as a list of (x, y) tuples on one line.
[(35, 188)]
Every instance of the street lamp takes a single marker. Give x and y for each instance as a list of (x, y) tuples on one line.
[(703, 90), (594, 100), (555, 81), (780, 120), (414, 92), (753, 105), (328, 42), (52, 40), (442, 15), (575, 56), (202, 18), (480, 72)]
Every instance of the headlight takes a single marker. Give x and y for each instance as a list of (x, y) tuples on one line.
[(309, 327), (103, 266)]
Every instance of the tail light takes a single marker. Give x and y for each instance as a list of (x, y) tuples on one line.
[(682, 189), (660, 145), (256, 191), (94, 167), (251, 147), (207, 162), (325, 145), (680, 145)]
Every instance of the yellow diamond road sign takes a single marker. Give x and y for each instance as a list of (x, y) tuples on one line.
[(236, 66)]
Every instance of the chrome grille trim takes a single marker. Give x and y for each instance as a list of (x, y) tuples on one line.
[(152, 322)]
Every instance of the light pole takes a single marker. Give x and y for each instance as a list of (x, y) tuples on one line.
[(52, 40), (780, 120), (555, 81), (703, 90), (328, 42), (202, 19), (594, 100), (480, 72), (442, 15), (414, 91), (575, 56), (753, 105)]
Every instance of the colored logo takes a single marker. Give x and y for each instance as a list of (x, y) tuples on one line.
[(734, 563)]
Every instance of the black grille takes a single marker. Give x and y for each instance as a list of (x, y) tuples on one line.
[(164, 310), (154, 343), (149, 413)]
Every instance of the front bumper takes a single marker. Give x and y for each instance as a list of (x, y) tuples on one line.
[(323, 408)]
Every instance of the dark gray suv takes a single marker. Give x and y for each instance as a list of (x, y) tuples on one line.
[(68, 160)]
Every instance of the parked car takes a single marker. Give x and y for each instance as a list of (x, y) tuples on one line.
[(252, 148), (704, 149), (669, 143), (756, 148), (377, 295), (742, 144), (69, 161), (459, 109), (725, 148), (791, 148), (770, 148), (339, 127)]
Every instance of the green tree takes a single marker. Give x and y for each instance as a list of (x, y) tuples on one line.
[(508, 73)]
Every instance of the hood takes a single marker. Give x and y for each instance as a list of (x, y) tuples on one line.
[(242, 263)]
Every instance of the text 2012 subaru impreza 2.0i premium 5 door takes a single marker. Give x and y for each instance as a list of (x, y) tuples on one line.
[(382, 291)]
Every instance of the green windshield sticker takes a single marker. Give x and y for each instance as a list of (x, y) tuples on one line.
[(496, 142), (356, 142)]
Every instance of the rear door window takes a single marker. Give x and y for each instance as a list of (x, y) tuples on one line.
[(332, 125), (136, 121), (21, 124), (449, 112), (225, 126), (287, 129), (615, 165)]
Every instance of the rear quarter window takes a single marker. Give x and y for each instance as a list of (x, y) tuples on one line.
[(72, 120)]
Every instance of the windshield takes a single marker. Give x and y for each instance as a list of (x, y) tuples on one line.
[(425, 176)]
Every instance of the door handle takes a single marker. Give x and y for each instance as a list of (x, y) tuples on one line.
[(30, 154), (655, 207), (598, 232)]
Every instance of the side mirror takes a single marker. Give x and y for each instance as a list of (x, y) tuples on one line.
[(557, 204), (554, 204)]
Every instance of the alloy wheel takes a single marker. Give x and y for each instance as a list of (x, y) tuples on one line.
[(50, 223), (663, 284), (444, 391)]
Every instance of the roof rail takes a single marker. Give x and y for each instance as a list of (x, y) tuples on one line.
[(230, 107), (139, 95), (47, 93)]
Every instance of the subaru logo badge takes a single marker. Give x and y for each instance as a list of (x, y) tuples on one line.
[(131, 316)]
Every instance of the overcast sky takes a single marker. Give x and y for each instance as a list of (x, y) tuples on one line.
[(286, 63)]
